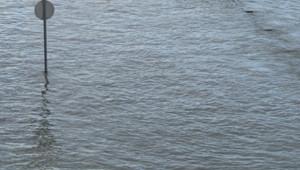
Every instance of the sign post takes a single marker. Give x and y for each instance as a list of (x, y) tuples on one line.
[(44, 10)]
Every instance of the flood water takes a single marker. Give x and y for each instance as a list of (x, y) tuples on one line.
[(151, 84)]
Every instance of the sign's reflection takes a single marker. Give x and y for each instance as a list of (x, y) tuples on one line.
[(44, 150)]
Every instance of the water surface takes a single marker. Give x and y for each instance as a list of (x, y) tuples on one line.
[(174, 84)]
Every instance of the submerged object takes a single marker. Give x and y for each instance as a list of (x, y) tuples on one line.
[(268, 29), (249, 11)]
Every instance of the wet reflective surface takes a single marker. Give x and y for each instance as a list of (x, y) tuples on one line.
[(151, 84)]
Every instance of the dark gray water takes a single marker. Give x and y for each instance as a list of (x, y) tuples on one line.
[(151, 84)]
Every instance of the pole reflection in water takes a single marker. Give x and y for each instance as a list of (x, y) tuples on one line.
[(44, 151)]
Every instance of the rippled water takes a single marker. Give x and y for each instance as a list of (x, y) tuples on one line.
[(151, 84)]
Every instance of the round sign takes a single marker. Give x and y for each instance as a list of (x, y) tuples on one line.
[(39, 9)]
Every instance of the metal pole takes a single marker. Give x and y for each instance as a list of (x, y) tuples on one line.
[(45, 36)]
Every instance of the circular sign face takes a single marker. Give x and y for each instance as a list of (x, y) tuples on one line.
[(39, 9)]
